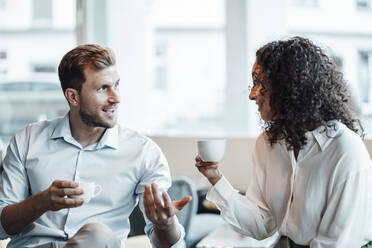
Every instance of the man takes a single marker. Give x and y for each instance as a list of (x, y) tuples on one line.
[(46, 161), (310, 175)]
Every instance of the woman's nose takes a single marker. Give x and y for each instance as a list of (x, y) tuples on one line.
[(253, 93)]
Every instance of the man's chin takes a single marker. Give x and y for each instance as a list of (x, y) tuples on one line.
[(111, 124), (107, 122), (104, 124)]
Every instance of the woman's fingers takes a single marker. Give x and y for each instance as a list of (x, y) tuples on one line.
[(201, 163)]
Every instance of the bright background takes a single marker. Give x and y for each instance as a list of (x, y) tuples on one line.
[(185, 64)]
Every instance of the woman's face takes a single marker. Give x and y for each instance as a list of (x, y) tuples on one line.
[(260, 93)]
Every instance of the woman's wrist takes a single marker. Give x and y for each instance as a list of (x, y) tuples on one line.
[(215, 179)]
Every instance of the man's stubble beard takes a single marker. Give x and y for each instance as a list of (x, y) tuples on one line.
[(92, 120)]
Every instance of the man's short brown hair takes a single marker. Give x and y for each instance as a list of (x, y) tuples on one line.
[(71, 68)]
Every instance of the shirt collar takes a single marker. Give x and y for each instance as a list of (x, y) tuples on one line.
[(110, 138), (324, 134), (62, 129)]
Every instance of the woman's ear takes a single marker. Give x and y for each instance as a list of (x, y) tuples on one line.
[(72, 96)]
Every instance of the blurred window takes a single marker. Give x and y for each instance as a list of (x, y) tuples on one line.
[(305, 3), (19, 86), (200, 57), (3, 55), (44, 68), (189, 66), (35, 34), (42, 12), (364, 4), (3, 62), (365, 71), (3, 3)]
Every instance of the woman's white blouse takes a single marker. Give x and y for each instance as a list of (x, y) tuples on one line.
[(322, 199)]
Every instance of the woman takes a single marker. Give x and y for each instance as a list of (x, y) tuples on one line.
[(309, 177)]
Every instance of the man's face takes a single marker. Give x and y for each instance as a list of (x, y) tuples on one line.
[(99, 97), (261, 94)]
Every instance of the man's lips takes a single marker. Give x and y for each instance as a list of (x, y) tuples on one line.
[(109, 110)]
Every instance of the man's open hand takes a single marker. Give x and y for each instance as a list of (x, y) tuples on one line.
[(161, 215)]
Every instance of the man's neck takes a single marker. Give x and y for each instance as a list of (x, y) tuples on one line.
[(85, 135)]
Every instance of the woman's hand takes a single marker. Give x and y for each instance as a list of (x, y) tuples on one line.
[(208, 169)]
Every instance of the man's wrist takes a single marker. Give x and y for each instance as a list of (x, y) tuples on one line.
[(166, 225), (39, 203), (166, 234)]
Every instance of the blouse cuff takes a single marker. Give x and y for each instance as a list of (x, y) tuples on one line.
[(221, 192)]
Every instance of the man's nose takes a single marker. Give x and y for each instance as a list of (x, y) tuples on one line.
[(114, 96)]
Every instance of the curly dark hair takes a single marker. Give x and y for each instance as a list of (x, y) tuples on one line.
[(307, 91)]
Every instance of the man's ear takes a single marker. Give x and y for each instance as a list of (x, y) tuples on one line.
[(72, 96)]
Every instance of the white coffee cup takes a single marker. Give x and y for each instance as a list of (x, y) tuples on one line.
[(211, 150), (91, 190)]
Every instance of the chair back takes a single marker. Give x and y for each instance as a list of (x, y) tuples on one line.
[(137, 222), (181, 187)]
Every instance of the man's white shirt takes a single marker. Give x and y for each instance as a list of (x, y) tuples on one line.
[(122, 162)]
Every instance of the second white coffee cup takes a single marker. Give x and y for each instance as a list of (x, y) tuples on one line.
[(211, 150), (91, 190)]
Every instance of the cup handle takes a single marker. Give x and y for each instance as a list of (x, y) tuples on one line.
[(97, 190)]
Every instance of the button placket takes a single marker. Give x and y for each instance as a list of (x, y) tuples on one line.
[(77, 174), (292, 184), (67, 226)]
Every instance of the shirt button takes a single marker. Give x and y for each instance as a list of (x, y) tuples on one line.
[(77, 175)]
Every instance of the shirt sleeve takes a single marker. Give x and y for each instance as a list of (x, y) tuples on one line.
[(248, 214), (344, 221), (13, 180), (149, 227), (156, 170)]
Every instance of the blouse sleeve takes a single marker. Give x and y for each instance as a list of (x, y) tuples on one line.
[(248, 214)]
